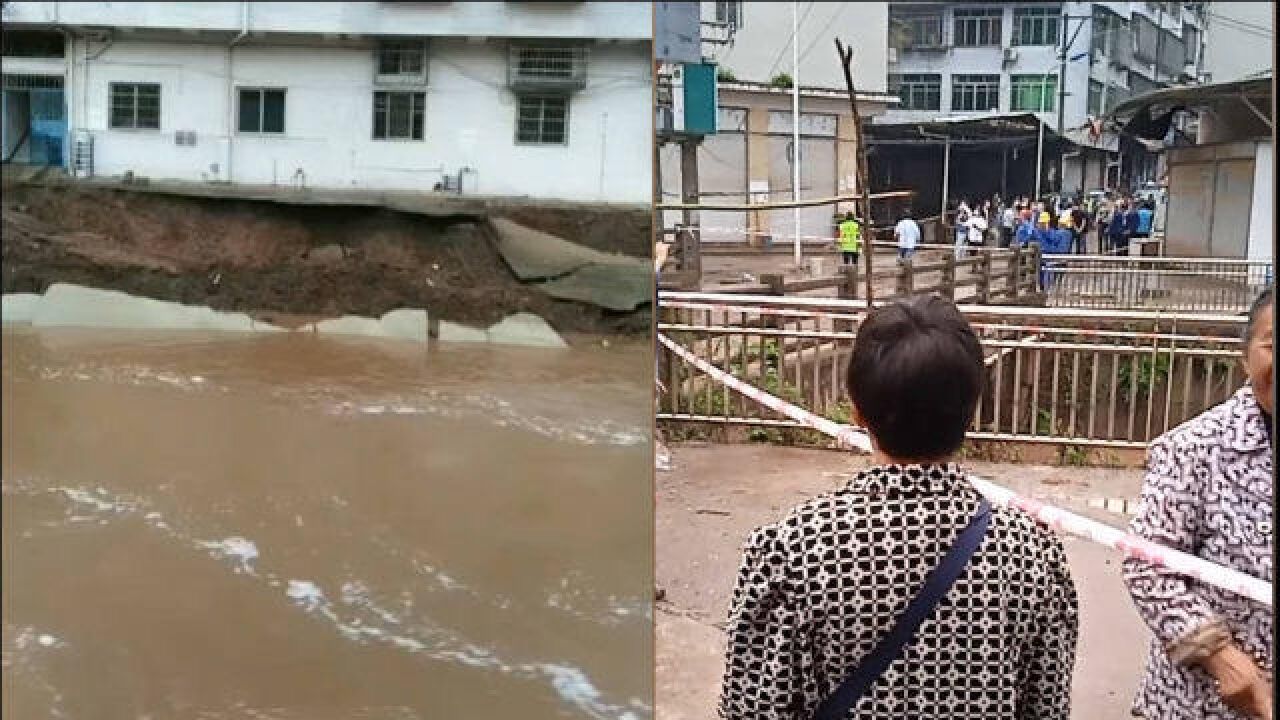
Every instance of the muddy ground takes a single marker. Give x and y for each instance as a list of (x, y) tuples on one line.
[(282, 262), (715, 494)]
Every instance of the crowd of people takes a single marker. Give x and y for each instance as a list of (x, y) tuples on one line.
[(904, 594), (1115, 222)]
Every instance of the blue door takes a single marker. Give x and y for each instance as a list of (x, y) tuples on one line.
[(48, 127)]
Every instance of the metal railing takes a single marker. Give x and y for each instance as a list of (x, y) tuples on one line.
[(1055, 375), (1158, 283)]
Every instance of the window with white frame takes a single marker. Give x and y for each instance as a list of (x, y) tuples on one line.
[(729, 13), (135, 106), (975, 92), (261, 110), (915, 29), (542, 120), (1033, 93), (1036, 25), (976, 27), (917, 91), (398, 115), (402, 60)]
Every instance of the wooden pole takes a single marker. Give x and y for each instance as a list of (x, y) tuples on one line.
[(868, 229)]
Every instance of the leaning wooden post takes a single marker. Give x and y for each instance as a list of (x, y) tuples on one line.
[(860, 150)]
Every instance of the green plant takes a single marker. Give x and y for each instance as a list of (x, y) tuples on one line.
[(1150, 374), (1043, 422), (781, 80), (1075, 455), (725, 75)]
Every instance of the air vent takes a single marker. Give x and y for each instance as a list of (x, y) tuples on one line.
[(185, 137)]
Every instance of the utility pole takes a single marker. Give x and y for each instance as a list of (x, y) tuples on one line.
[(1062, 76), (691, 247), (795, 128)]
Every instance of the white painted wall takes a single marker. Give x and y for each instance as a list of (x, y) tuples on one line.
[(762, 47), (618, 20), (1261, 213), (1234, 49), (470, 120)]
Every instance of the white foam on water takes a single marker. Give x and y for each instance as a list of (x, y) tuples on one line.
[(366, 620), (306, 594), (241, 550)]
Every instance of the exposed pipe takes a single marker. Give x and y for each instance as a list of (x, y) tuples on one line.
[(231, 90)]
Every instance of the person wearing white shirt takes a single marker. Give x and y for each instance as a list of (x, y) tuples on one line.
[(907, 233), (1008, 219)]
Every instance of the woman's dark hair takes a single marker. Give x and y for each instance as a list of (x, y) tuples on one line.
[(915, 377), (1265, 299)]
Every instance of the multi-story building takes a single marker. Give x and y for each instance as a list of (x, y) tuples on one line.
[(1067, 62), (1239, 40), (492, 98)]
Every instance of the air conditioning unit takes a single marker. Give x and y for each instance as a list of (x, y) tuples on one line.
[(893, 56), (1010, 55), (547, 67)]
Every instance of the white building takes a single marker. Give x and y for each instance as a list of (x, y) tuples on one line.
[(1066, 62), (548, 100), (751, 157), (1239, 40), (761, 47)]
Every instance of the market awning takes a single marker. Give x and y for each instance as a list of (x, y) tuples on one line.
[(1255, 92), (989, 129)]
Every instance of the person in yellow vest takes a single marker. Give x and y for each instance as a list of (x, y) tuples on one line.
[(850, 239)]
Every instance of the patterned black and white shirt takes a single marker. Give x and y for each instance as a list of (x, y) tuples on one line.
[(818, 589), (1208, 491)]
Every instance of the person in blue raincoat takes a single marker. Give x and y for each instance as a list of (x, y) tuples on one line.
[(1056, 242)]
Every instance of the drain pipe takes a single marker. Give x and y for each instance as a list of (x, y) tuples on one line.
[(231, 88)]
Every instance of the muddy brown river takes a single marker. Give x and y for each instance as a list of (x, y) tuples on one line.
[(294, 527)]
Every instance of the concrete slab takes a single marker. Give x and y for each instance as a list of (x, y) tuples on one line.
[(618, 287), (405, 324), (17, 308), (535, 255), (525, 329), (349, 325), (67, 305), (455, 333)]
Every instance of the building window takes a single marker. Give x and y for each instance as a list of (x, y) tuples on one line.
[(261, 110), (1095, 98), (975, 27), (398, 115), (1116, 94), (402, 59), (729, 13), (1036, 25), (32, 43), (135, 106), (915, 29), (975, 92), (542, 120), (917, 92), (1034, 93)]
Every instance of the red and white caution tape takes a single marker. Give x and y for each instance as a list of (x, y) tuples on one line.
[(1131, 546)]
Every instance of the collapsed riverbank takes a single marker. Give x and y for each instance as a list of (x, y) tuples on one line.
[(290, 264)]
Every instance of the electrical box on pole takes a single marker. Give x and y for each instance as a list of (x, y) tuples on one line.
[(694, 99)]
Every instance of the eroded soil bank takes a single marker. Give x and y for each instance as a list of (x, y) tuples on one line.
[(286, 263)]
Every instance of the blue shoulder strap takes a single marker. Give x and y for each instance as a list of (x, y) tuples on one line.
[(935, 588)]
